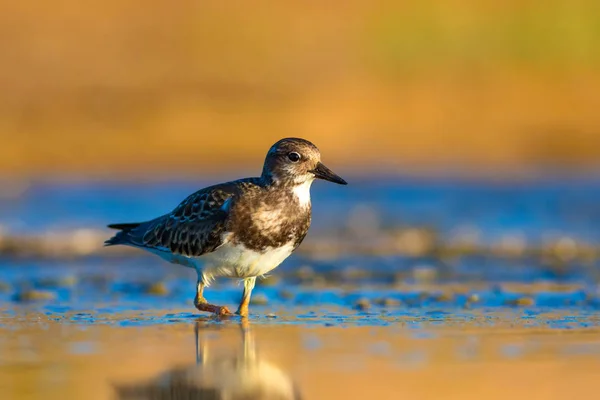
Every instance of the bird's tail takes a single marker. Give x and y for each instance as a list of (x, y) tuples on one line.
[(121, 236)]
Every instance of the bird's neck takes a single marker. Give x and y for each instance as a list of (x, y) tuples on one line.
[(302, 192), (300, 189)]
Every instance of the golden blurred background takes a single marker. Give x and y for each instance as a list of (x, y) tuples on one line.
[(132, 88)]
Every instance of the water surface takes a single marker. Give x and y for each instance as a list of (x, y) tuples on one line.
[(506, 297)]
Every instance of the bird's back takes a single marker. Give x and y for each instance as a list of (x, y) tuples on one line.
[(193, 228)]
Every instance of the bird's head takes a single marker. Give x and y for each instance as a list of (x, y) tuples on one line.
[(294, 161)]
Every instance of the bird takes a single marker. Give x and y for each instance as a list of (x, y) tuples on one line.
[(241, 229)]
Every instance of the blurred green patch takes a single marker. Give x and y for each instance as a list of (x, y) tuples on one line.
[(550, 34)]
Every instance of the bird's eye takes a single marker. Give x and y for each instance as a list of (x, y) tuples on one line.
[(294, 157)]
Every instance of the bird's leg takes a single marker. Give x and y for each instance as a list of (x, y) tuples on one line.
[(248, 286), (203, 305)]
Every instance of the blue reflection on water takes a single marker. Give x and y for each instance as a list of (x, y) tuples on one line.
[(571, 206)]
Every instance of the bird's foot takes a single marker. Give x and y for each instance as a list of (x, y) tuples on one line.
[(217, 310), (242, 312)]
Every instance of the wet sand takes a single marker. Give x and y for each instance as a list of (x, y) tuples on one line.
[(42, 358)]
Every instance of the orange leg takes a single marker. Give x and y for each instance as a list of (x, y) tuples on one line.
[(203, 305), (248, 286)]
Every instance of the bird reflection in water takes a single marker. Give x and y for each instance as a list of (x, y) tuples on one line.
[(241, 375)]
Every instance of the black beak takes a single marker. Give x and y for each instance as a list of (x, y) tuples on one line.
[(322, 172)]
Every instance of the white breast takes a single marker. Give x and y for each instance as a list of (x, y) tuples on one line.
[(302, 192), (237, 261)]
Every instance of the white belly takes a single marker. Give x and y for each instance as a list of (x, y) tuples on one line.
[(236, 261)]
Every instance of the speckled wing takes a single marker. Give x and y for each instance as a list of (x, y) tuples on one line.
[(193, 228)]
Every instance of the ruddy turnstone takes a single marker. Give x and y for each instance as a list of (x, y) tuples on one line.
[(240, 229)]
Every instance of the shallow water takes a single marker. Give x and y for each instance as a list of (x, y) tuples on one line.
[(353, 325), (106, 333), (42, 358)]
